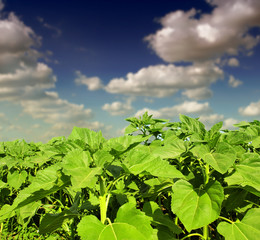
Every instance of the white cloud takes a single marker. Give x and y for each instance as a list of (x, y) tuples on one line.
[(253, 109), (93, 83), (210, 120), (233, 62), (224, 31), (234, 82), (52, 109), (229, 122), (165, 80), (198, 93), (26, 81), (187, 107), (118, 108)]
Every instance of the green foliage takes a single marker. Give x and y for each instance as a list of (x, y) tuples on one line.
[(161, 180)]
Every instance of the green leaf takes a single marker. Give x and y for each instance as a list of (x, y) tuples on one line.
[(152, 209), (27, 211), (139, 161), (171, 150), (128, 213), (92, 138), (121, 144), (89, 228), (76, 164), (51, 222), (192, 125), (101, 157), (194, 206), (256, 142), (238, 137), (16, 179), (222, 159), (249, 169), (247, 229), (47, 181), (121, 231), (130, 129)]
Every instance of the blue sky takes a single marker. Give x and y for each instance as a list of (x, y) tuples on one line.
[(94, 63)]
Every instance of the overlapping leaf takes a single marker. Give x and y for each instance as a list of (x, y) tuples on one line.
[(77, 165), (194, 206), (139, 160), (247, 229)]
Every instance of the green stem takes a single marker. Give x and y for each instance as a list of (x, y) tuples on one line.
[(206, 232), (192, 234), (226, 219), (102, 201), (206, 174)]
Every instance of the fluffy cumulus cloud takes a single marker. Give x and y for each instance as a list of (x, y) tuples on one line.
[(210, 120), (229, 123), (233, 82), (233, 62), (118, 108), (165, 80), (53, 109), (198, 93), (92, 83), (253, 109), (26, 81), (187, 107), (184, 37)]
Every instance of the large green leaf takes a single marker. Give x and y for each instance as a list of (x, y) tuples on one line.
[(89, 228), (152, 209), (192, 125), (129, 214), (222, 159), (47, 181), (120, 144), (171, 149), (139, 161), (16, 179), (51, 222), (249, 169), (238, 137), (92, 138), (77, 165), (247, 229), (121, 231), (194, 206)]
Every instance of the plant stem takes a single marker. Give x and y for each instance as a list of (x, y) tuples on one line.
[(192, 234), (206, 232), (226, 219), (102, 201)]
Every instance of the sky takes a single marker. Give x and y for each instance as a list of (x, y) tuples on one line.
[(93, 64)]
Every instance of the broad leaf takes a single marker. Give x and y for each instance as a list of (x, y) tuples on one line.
[(47, 181), (51, 222), (129, 214), (247, 229), (89, 228), (92, 138), (140, 161), (16, 179), (152, 209), (222, 159), (120, 231), (76, 164), (249, 168), (194, 206)]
